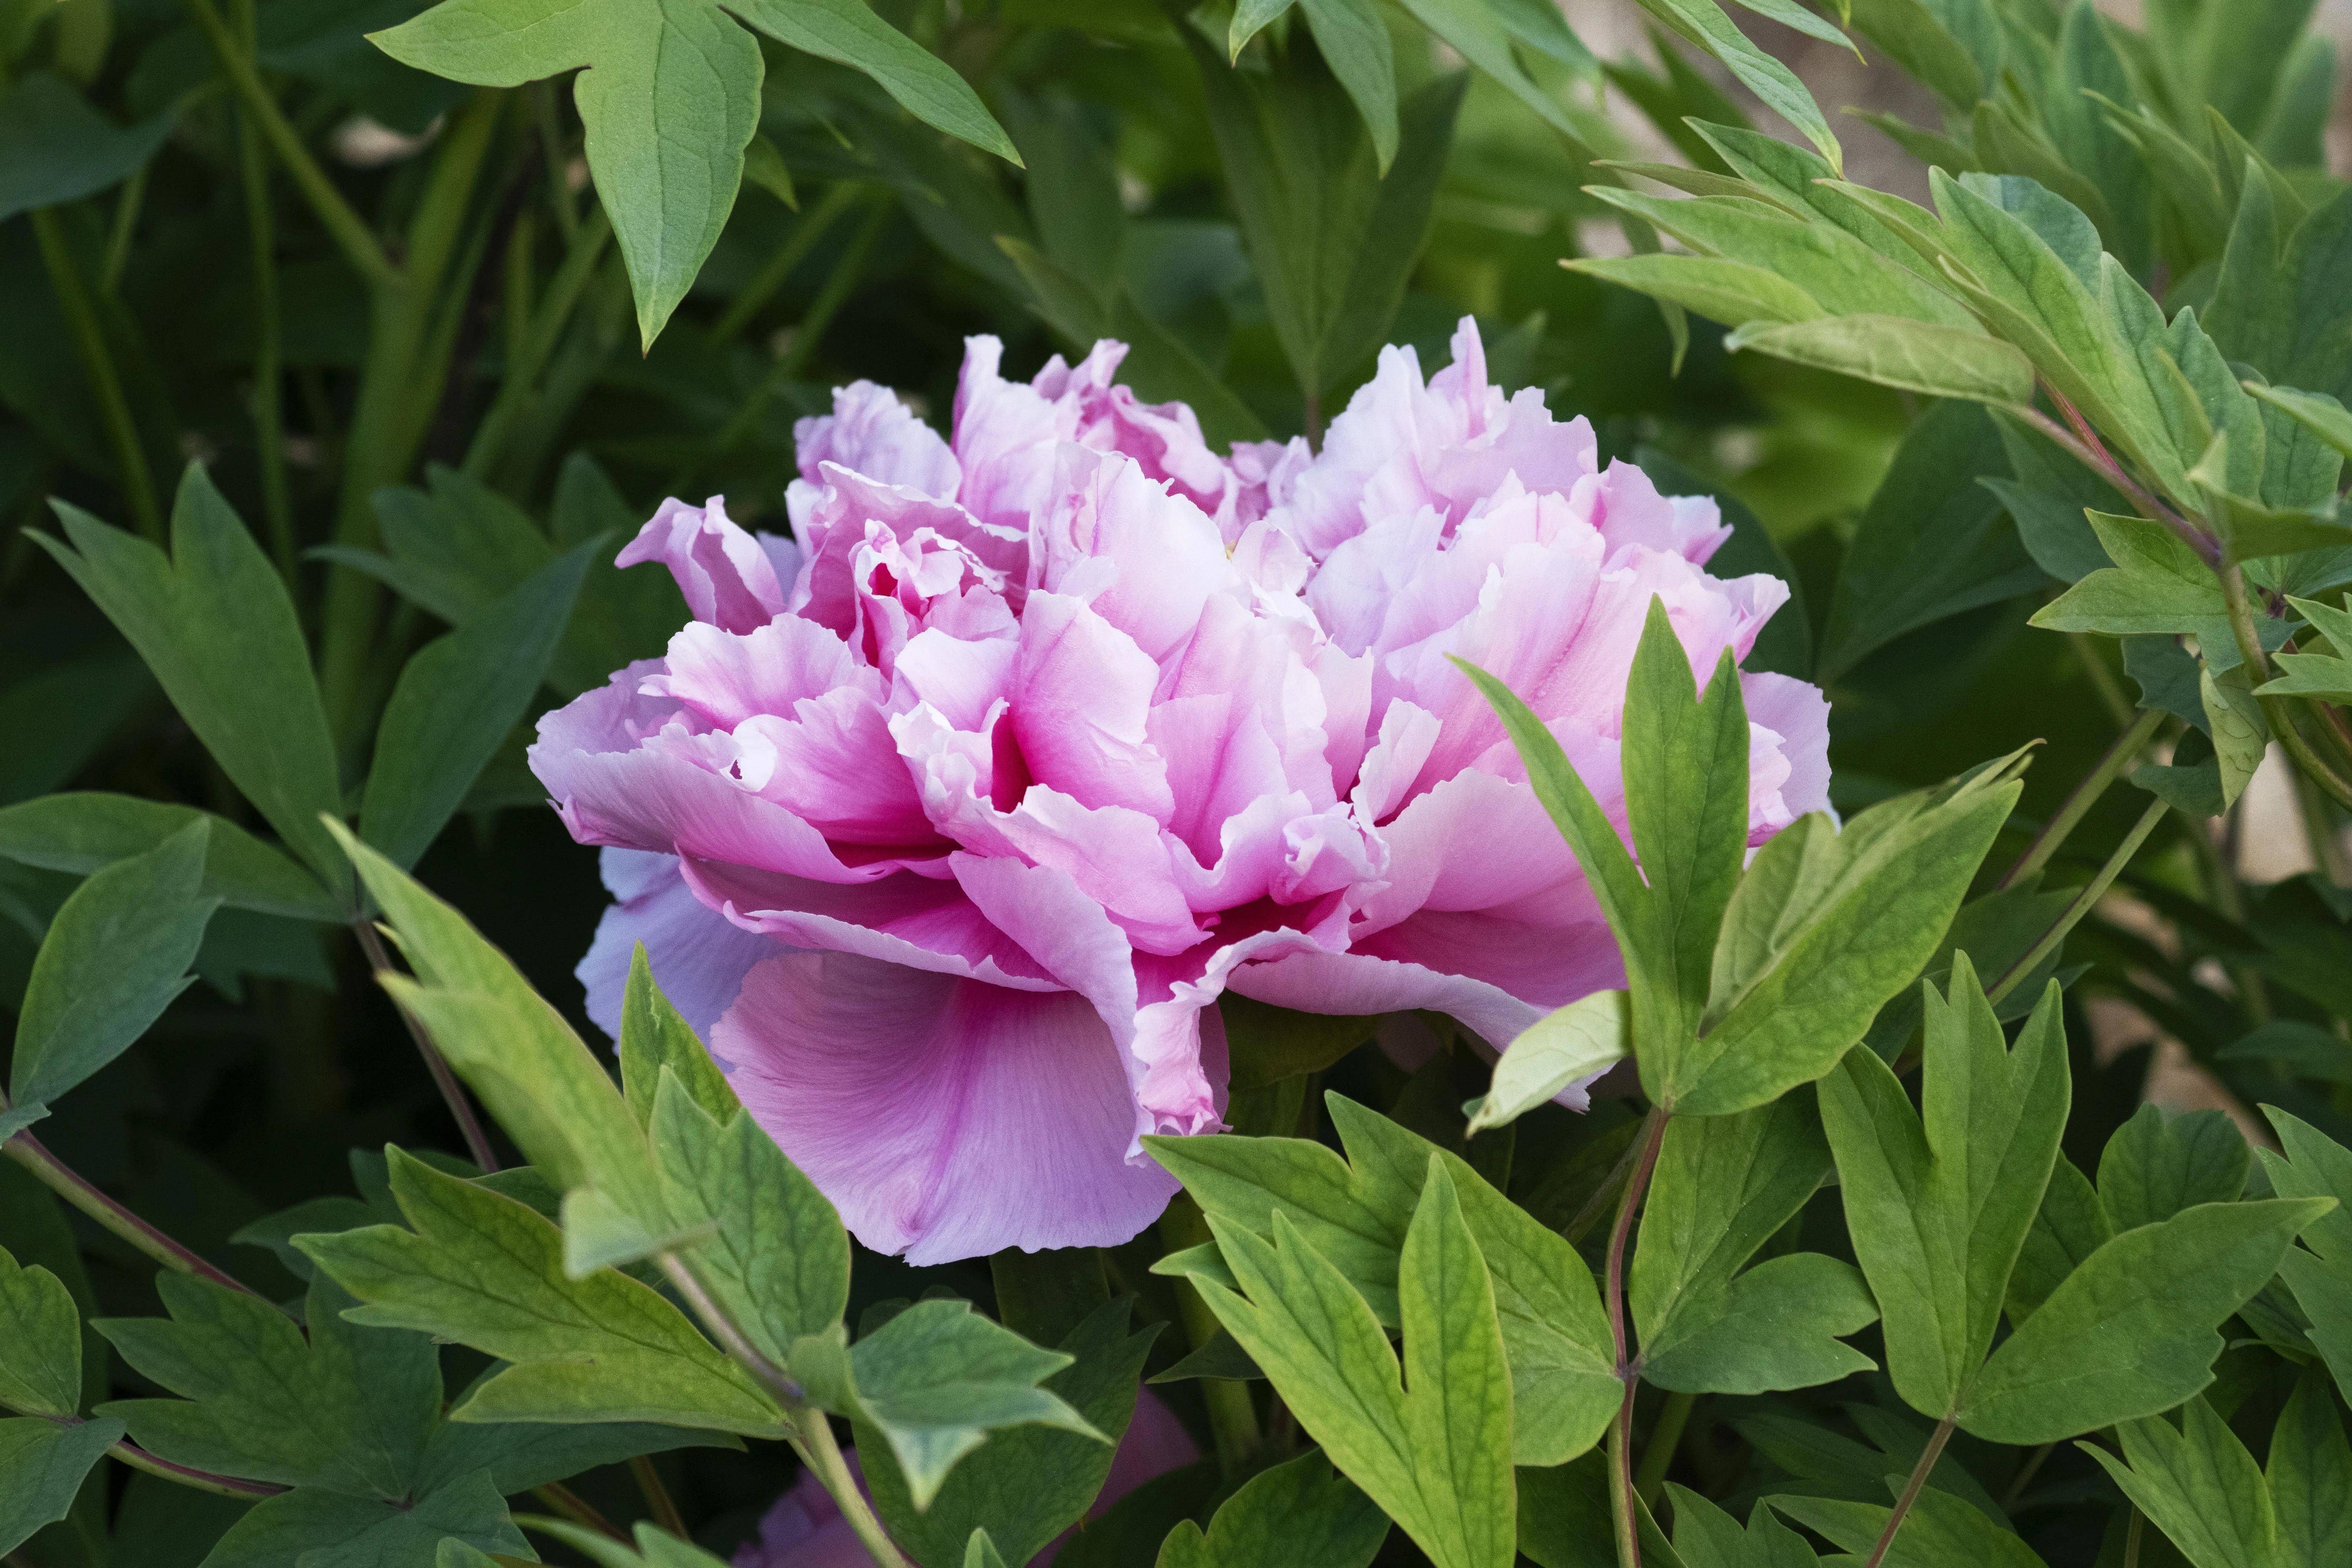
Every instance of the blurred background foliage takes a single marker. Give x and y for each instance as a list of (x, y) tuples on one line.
[(169, 293)]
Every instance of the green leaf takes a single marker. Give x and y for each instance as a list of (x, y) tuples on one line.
[(1269, 1044), (1475, 31), (2070, 1226), (214, 623), (1841, 273), (1732, 292), (849, 33), (934, 1382), (670, 98), (456, 702), (2327, 676), (1778, 1325), (2131, 1333), (1299, 1514), (116, 955), (1356, 1215), (980, 1552), (656, 1547), (1797, 980), (1897, 351), (2198, 1484), (1355, 44), (2049, 498), (84, 832), (1026, 1484), (2157, 585), (1587, 1037), (55, 148), (1723, 1186), (2240, 732), (1953, 49), (1433, 1449), (1930, 544), (2314, 1166), (1703, 23), (348, 1410), (1940, 1532), (533, 1072), (1939, 1205), (307, 1525), (41, 1341), (42, 1464), (2156, 1165), (485, 1270), (1333, 239), (775, 1257), (655, 1038)]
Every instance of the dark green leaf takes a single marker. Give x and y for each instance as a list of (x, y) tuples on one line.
[(116, 955), (55, 148), (455, 702), (42, 1464), (214, 623), (1299, 1514)]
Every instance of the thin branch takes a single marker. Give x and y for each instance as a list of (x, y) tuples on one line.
[(2088, 449), (2279, 710), (2092, 892), (1623, 1502), (76, 1189), (823, 1454), (657, 1498), (98, 365), (1911, 1489), (351, 233), (788, 1392), (577, 1509), (139, 1458), (478, 1141), (2083, 796)]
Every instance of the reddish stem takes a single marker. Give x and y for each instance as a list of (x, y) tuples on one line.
[(1623, 1502)]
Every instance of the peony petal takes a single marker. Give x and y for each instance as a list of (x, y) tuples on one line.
[(698, 956), (871, 431), (729, 578), (945, 1118), (1081, 705)]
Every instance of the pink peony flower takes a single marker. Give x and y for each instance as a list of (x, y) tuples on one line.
[(805, 1528), (949, 824)]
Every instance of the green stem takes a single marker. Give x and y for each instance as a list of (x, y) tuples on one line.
[(126, 223), (2103, 680), (139, 1458), (98, 365), (2326, 846), (351, 233), (578, 1509), (779, 267), (1911, 1489), (657, 1498), (1624, 1503), (453, 1094), (2024, 1476), (544, 116), (2279, 710), (2091, 893), (823, 1454), (1658, 1454), (546, 329), (71, 1186), (2083, 796), (399, 378), (268, 370), (1233, 1419)]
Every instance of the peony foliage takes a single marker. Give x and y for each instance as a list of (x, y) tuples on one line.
[(1274, 884)]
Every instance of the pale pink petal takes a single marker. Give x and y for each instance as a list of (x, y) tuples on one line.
[(698, 956), (871, 431), (728, 677), (945, 1118), (728, 577), (1081, 705)]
